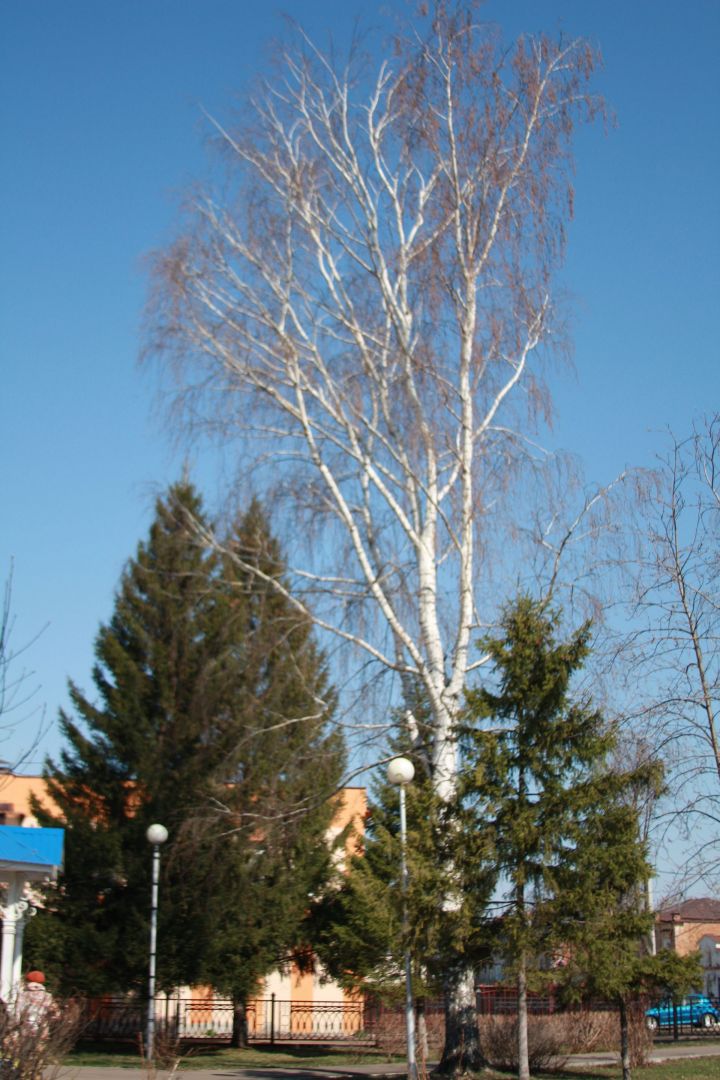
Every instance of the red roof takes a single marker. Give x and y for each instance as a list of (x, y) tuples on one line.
[(700, 909)]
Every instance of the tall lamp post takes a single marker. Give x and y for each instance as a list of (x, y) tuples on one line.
[(155, 835), (400, 772)]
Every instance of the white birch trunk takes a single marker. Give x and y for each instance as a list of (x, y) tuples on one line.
[(362, 313)]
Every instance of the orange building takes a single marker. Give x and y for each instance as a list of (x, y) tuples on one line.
[(300, 995), (15, 796)]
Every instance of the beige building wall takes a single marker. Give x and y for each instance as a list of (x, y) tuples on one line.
[(352, 811), (316, 987), (294, 986), (15, 796)]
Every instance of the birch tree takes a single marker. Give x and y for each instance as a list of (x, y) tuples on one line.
[(363, 306), (677, 636), (19, 713)]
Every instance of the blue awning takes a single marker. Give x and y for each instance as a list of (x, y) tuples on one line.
[(32, 849)]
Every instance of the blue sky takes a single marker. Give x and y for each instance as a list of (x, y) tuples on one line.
[(102, 128)]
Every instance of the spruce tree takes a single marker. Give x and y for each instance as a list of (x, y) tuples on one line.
[(601, 912), (136, 752), (178, 735), (358, 925), (539, 785), (272, 799)]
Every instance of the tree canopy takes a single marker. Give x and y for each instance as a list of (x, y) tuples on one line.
[(561, 819), (362, 305), (213, 717)]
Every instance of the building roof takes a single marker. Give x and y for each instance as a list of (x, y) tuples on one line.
[(32, 851), (699, 909)]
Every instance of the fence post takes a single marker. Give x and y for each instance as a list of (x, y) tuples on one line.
[(272, 1019)]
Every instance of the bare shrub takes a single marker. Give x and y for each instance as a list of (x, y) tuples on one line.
[(546, 1041), (167, 1049), (166, 1053), (32, 1049), (389, 1032), (553, 1038), (589, 1029), (639, 1038)]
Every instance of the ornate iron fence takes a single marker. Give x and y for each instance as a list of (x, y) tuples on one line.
[(268, 1019)]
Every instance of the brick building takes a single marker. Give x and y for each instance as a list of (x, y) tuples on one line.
[(693, 925)]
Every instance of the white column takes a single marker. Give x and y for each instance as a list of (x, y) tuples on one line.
[(22, 908), (10, 917)]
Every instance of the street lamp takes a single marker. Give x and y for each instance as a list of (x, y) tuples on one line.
[(400, 772), (155, 835)]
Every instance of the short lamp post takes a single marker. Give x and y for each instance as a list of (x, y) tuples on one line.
[(400, 772), (155, 835)]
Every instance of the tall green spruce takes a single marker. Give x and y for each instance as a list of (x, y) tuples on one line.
[(561, 820), (600, 905), (545, 816), (211, 715), (358, 925), (273, 797)]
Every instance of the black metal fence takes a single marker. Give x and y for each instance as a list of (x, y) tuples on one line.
[(497, 1000), (268, 1019), (271, 1019), (675, 1019)]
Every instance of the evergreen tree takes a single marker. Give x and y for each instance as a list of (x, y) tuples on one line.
[(600, 910), (211, 716), (358, 926), (273, 797), (537, 783), (135, 754)]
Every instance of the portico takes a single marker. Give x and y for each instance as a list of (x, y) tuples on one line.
[(26, 855)]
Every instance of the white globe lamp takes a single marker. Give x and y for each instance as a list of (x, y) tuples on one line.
[(400, 771), (156, 834)]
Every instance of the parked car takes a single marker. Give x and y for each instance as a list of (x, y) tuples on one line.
[(693, 1009)]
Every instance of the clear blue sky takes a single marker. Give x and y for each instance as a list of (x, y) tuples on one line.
[(101, 128)]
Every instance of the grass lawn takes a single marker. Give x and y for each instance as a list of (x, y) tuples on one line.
[(209, 1057), (310, 1057), (683, 1069)]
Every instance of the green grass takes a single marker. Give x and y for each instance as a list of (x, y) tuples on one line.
[(210, 1057), (309, 1057), (682, 1069)]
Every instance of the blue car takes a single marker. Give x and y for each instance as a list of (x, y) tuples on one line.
[(695, 1009)]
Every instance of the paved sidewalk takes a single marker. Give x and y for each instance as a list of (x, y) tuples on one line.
[(376, 1071)]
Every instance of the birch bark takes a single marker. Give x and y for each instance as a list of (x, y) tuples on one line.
[(362, 312)]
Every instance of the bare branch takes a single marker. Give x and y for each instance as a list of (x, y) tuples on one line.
[(372, 295)]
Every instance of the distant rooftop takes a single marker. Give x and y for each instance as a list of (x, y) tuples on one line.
[(700, 909)]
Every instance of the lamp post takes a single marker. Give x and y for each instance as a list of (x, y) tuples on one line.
[(400, 772), (155, 835)]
